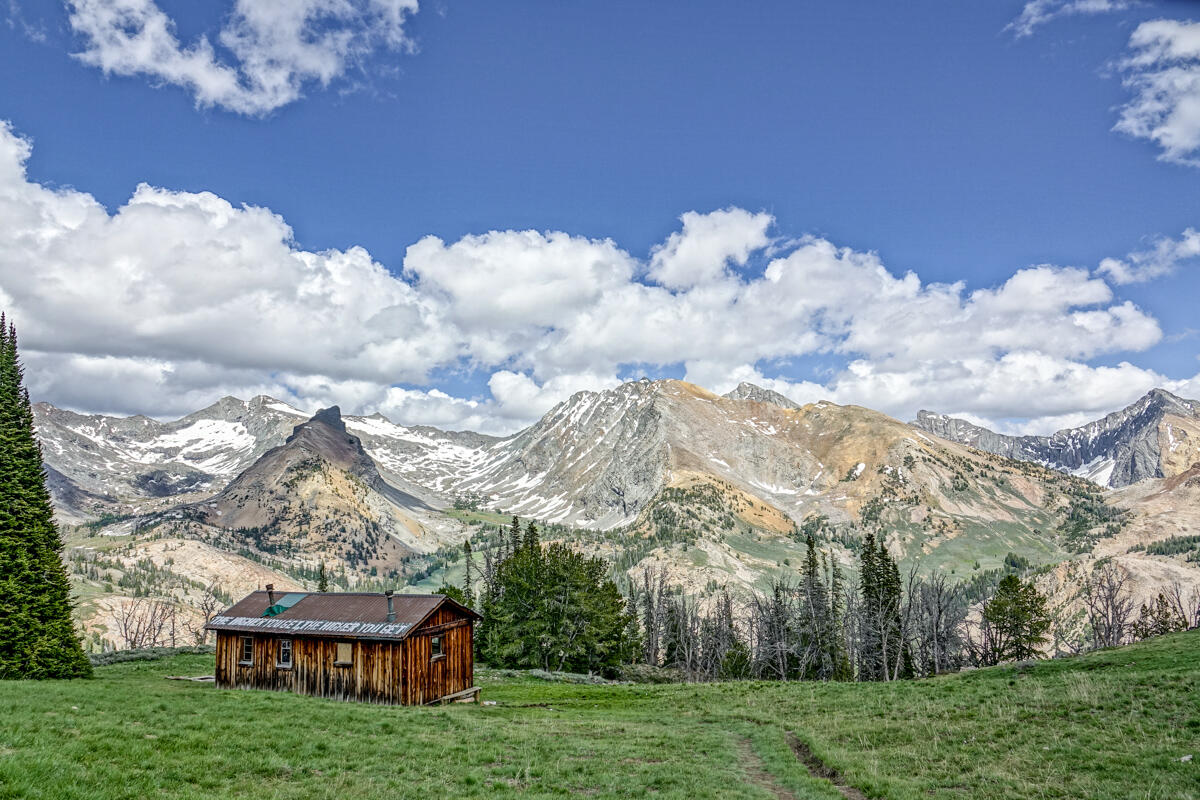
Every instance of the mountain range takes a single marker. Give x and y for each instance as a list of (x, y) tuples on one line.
[(716, 491), (1156, 437)]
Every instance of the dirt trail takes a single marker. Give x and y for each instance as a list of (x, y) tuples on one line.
[(818, 769), (757, 772)]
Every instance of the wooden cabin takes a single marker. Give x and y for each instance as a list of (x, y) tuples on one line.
[(407, 649)]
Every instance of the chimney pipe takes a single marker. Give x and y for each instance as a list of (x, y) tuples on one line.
[(270, 594), (391, 606)]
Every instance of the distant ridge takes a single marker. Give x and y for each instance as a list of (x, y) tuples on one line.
[(1156, 437)]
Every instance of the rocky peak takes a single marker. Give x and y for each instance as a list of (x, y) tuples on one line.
[(1160, 400), (227, 407), (325, 435), (757, 394), (331, 416)]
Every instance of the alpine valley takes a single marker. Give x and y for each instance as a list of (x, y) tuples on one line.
[(717, 492)]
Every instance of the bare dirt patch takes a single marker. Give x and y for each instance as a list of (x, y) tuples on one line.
[(819, 769), (756, 771)]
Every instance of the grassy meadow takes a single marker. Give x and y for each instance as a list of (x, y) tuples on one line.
[(1113, 724)]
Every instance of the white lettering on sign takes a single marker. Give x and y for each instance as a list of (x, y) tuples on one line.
[(317, 625)]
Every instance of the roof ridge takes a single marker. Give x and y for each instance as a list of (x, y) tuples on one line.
[(356, 594)]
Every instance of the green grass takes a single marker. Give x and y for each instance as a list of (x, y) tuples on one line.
[(485, 517), (988, 544), (1109, 725)]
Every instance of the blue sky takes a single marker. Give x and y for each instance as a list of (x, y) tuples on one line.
[(934, 135)]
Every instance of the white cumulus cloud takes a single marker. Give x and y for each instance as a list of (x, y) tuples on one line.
[(271, 49), (1162, 71), (699, 253), (1160, 259), (176, 298)]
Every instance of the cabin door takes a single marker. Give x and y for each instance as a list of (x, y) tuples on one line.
[(437, 667)]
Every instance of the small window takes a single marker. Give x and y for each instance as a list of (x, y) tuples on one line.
[(435, 648), (285, 654), (345, 654), (247, 650)]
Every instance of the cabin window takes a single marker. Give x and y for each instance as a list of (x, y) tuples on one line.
[(247, 650), (285, 654), (345, 654), (435, 648)]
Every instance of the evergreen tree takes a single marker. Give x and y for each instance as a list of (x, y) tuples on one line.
[(514, 537), (322, 579), (843, 670), (468, 568), (555, 609), (1014, 622), (898, 657), (870, 650), (1158, 618), (37, 635), (531, 541), (737, 661), (454, 593), (882, 654), (815, 624)]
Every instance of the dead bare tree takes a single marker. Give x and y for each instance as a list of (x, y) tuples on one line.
[(210, 604), (776, 654), (653, 606), (681, 639), (1185, 601), (937, 630), (1108, 606), (908, 606), (147, 622), (853, 622)]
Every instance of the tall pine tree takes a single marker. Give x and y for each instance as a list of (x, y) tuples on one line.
[(468, 569), (883, 655), (843, 670), (815, 622), (37, 636), (514, 537)]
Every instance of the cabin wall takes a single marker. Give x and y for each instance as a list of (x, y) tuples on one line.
[(382, 672), (428, 679), (374, 676)]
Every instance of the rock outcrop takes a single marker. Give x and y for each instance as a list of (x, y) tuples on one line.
[(320, 491)]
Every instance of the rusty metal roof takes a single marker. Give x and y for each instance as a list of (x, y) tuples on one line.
[(345, 615)]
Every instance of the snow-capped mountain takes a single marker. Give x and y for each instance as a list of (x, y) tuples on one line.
[(1156, 437), (425, 461), (596, 460), (96, 458), (319, 491), (715, 490), (599, 459)]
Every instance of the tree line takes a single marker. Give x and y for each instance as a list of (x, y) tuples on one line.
[(549, 607), (885, 626)]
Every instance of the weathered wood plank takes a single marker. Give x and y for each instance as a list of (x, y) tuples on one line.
[(450, 698), (381, 671)]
